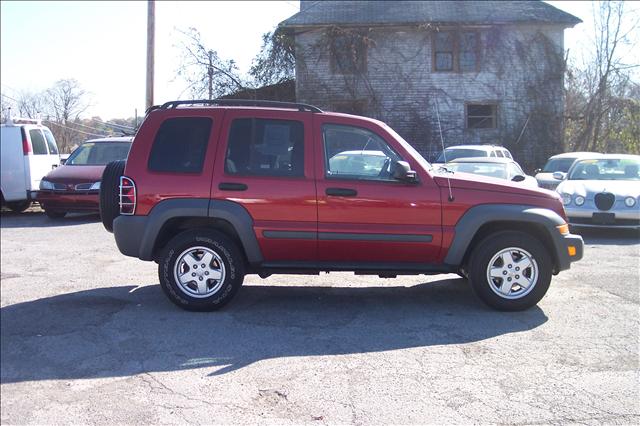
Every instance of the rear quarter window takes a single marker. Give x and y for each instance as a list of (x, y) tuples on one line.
[(51, 142), (180, 145)]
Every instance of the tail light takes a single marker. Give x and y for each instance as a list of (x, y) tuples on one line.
[(26, 146), (127, 196)]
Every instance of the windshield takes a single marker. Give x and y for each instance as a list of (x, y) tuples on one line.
[(452, 154), (558, 165), (98, 154), (606, 169), (496, 170)]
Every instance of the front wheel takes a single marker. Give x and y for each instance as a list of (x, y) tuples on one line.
[(201, 270), (510, 271)]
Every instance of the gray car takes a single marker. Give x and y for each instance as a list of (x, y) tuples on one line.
[(602, 191)]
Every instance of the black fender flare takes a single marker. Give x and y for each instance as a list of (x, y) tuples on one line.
[(137, 235), (478, 216)]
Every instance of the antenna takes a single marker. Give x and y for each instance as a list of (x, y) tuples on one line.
[(444, 154)]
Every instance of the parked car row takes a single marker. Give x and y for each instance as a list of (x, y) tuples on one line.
[(597, 190), (33, 170)]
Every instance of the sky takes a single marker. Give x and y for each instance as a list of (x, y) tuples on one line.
[(103, 44)]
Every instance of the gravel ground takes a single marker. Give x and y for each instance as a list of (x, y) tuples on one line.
[(88, 337)]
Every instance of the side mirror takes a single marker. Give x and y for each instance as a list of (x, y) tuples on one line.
[(559, 175), (62, 161), (400, 170), (536, 171), (518, 178)]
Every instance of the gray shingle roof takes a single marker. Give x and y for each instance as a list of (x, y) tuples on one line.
[(327, 12)]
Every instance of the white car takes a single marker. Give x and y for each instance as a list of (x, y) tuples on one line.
[(558, 163), (464, 151), (29, 151), (500, 168), (602, 191)]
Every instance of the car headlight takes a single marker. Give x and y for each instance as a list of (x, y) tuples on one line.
[(566, 199), (95, 186), (46, 185), (579, 200), (630, 201)]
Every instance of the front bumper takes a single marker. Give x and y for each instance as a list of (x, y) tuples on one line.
[(570, 248), (622, 218), (69, 201)]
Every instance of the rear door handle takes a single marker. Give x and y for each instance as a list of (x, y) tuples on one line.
[(232, 186), (341, 192)]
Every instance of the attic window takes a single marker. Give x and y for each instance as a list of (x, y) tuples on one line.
[(482, 116), (455, 51), (348, 54)]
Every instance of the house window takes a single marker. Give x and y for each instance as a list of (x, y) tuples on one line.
[(455, 51), (482, 116), (348, 54)]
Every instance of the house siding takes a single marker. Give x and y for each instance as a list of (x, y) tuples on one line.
[(520, 69)]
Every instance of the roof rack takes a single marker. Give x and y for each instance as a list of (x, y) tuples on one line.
[(238, 102)]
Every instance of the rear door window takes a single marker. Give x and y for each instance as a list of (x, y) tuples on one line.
[(265, 147), (51, 142), (38, 142), (180, 145)]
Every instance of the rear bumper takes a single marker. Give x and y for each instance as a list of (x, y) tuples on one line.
[(69, 201), (130, 232)]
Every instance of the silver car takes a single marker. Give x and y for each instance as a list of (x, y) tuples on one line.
[(602, 191)]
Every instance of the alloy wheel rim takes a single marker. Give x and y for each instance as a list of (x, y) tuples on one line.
[(512, 273), (199, 272)]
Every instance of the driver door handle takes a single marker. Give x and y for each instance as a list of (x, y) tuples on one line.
[(341, 192)]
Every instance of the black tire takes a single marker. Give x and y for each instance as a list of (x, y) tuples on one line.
[(489, 291), (109, 193), (54, 214), (219, 244), (18, 206)]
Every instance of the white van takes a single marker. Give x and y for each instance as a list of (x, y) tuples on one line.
[(28, 151)]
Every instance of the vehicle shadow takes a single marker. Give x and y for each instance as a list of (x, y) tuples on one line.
[(123, 331), (619, 237), (37, 219)]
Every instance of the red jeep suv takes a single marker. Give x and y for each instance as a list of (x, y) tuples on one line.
[(215, 190)]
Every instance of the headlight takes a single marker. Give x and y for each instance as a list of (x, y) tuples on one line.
[(630, 201), (566, 199), (95, 186), (579, 200), (46, 185)]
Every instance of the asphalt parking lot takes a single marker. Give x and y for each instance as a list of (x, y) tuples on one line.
[(88, 337)]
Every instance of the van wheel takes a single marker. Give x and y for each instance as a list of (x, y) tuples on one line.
[(510, 271), (54, 214), (109, 193), (201, 270), (18, 206)]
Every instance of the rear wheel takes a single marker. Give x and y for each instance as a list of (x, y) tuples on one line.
[(110, 192), (201, 270), (18, 206), (510, 271)]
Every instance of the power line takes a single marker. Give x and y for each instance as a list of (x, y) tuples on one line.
[(75, 130), (9, 97), (112, 124)]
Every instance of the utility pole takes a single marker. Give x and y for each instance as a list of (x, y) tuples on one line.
[(210, 74), (151, 29)]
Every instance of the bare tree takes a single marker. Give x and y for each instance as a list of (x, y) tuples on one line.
[(66, 101), (276, 61), (599, 92), (204, 71), (32, 104)]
